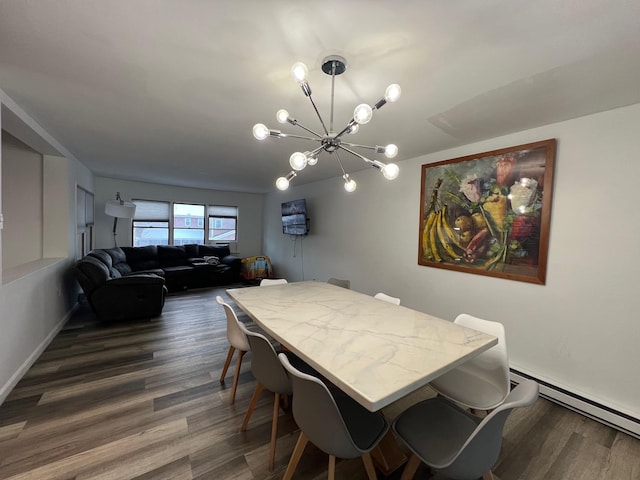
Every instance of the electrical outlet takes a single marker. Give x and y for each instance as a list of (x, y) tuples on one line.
[(1, 221)]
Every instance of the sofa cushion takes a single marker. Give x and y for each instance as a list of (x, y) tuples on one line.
[(191, 250), (104, 257), (142, 258), (172, 256), (219, 251)]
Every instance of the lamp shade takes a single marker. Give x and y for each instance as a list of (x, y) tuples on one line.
[(120, 209)]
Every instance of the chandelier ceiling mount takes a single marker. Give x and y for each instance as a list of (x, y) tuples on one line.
[(330, 140)]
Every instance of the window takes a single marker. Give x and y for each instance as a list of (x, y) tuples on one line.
[(223, 223), (151, 223), (184, 229), (168, 223)]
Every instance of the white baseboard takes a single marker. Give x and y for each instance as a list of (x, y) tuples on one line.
[(5, 390), (589, 408)]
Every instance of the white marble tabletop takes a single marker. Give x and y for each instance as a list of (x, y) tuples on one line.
[(373, 350)]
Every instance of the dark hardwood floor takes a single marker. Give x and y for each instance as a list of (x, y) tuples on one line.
[(142, 400)]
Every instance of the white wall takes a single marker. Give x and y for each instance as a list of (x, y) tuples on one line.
[(249, 210), (38, 297), (580, 331)]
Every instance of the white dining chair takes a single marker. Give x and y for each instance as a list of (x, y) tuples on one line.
[(481, 383), (387, 298), (238, 341), (265, 282)]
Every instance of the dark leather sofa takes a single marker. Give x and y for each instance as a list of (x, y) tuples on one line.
[(131, 282)]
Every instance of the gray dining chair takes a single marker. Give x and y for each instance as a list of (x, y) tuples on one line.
[(270, 374), (481, 383), (454, 442), (339, 282), (387, 298), (335, 423), (265, 282), (237, 340)]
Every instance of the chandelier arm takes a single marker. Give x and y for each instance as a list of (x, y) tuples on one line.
[(298, 124), (361, 157), (318, 114), (283, 135), (359, 146), (350, 124), (340, 163)]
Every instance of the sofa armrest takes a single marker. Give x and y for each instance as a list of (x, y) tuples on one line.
[(232, 261), (137, 279)]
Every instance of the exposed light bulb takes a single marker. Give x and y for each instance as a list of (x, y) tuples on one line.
[(298, 160), (391, 150), (311, 159), (362, 114), (354, 129), (282, 183), (299, 72), (349, 184), (392, 93), (390, 171), (282, 115), (260, 131)]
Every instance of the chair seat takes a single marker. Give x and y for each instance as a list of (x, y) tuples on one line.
[(470, 388), (365, 427), (436, 429)]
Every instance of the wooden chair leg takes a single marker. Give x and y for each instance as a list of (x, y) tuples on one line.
[(236, 376), (227, 362), (411, 468), (487, 476), (274, 431), (368, 466), (331, 472), (295, 456), (252, 406)]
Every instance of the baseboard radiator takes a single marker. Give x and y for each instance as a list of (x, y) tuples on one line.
[(598, 412)]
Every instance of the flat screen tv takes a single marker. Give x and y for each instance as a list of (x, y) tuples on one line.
[(294, 217)]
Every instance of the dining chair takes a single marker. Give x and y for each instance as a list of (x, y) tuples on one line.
[(481, 383), (238, 341), (387, 298), (339, 282), (270, 374), (453, 441), (265, 282), (335, 423)]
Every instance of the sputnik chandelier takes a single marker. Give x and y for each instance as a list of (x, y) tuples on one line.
[(330, 141)]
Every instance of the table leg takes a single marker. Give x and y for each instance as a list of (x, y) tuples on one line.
[(388, 456)]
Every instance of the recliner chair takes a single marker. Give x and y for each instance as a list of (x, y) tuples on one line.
[(113, 296)]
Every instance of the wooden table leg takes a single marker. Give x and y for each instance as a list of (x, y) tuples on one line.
[(388, 456)]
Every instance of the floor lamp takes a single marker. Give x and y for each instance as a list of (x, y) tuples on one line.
[(118, 208)]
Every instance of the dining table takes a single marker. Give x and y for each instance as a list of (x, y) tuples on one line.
[(374, 351)]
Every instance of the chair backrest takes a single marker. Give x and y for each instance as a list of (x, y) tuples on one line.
[(235, 335), (316, 413), (272, 281), (490, 370), (265, 364), (481, 450), (387, 298), (339, 282)]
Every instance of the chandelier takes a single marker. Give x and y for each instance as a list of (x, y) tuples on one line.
[(330, 141)]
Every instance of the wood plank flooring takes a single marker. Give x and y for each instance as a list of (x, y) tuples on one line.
[(142, 400)]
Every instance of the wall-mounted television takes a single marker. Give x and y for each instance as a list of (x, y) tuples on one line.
[(294, 217)]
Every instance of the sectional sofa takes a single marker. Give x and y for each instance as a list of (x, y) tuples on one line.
[(131, 282)]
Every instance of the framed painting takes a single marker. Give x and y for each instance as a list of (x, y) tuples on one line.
[(489, 213)]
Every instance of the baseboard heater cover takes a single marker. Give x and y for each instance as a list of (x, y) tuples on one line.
[(594, 410)]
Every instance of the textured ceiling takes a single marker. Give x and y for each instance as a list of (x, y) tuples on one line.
[(167, 91)]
